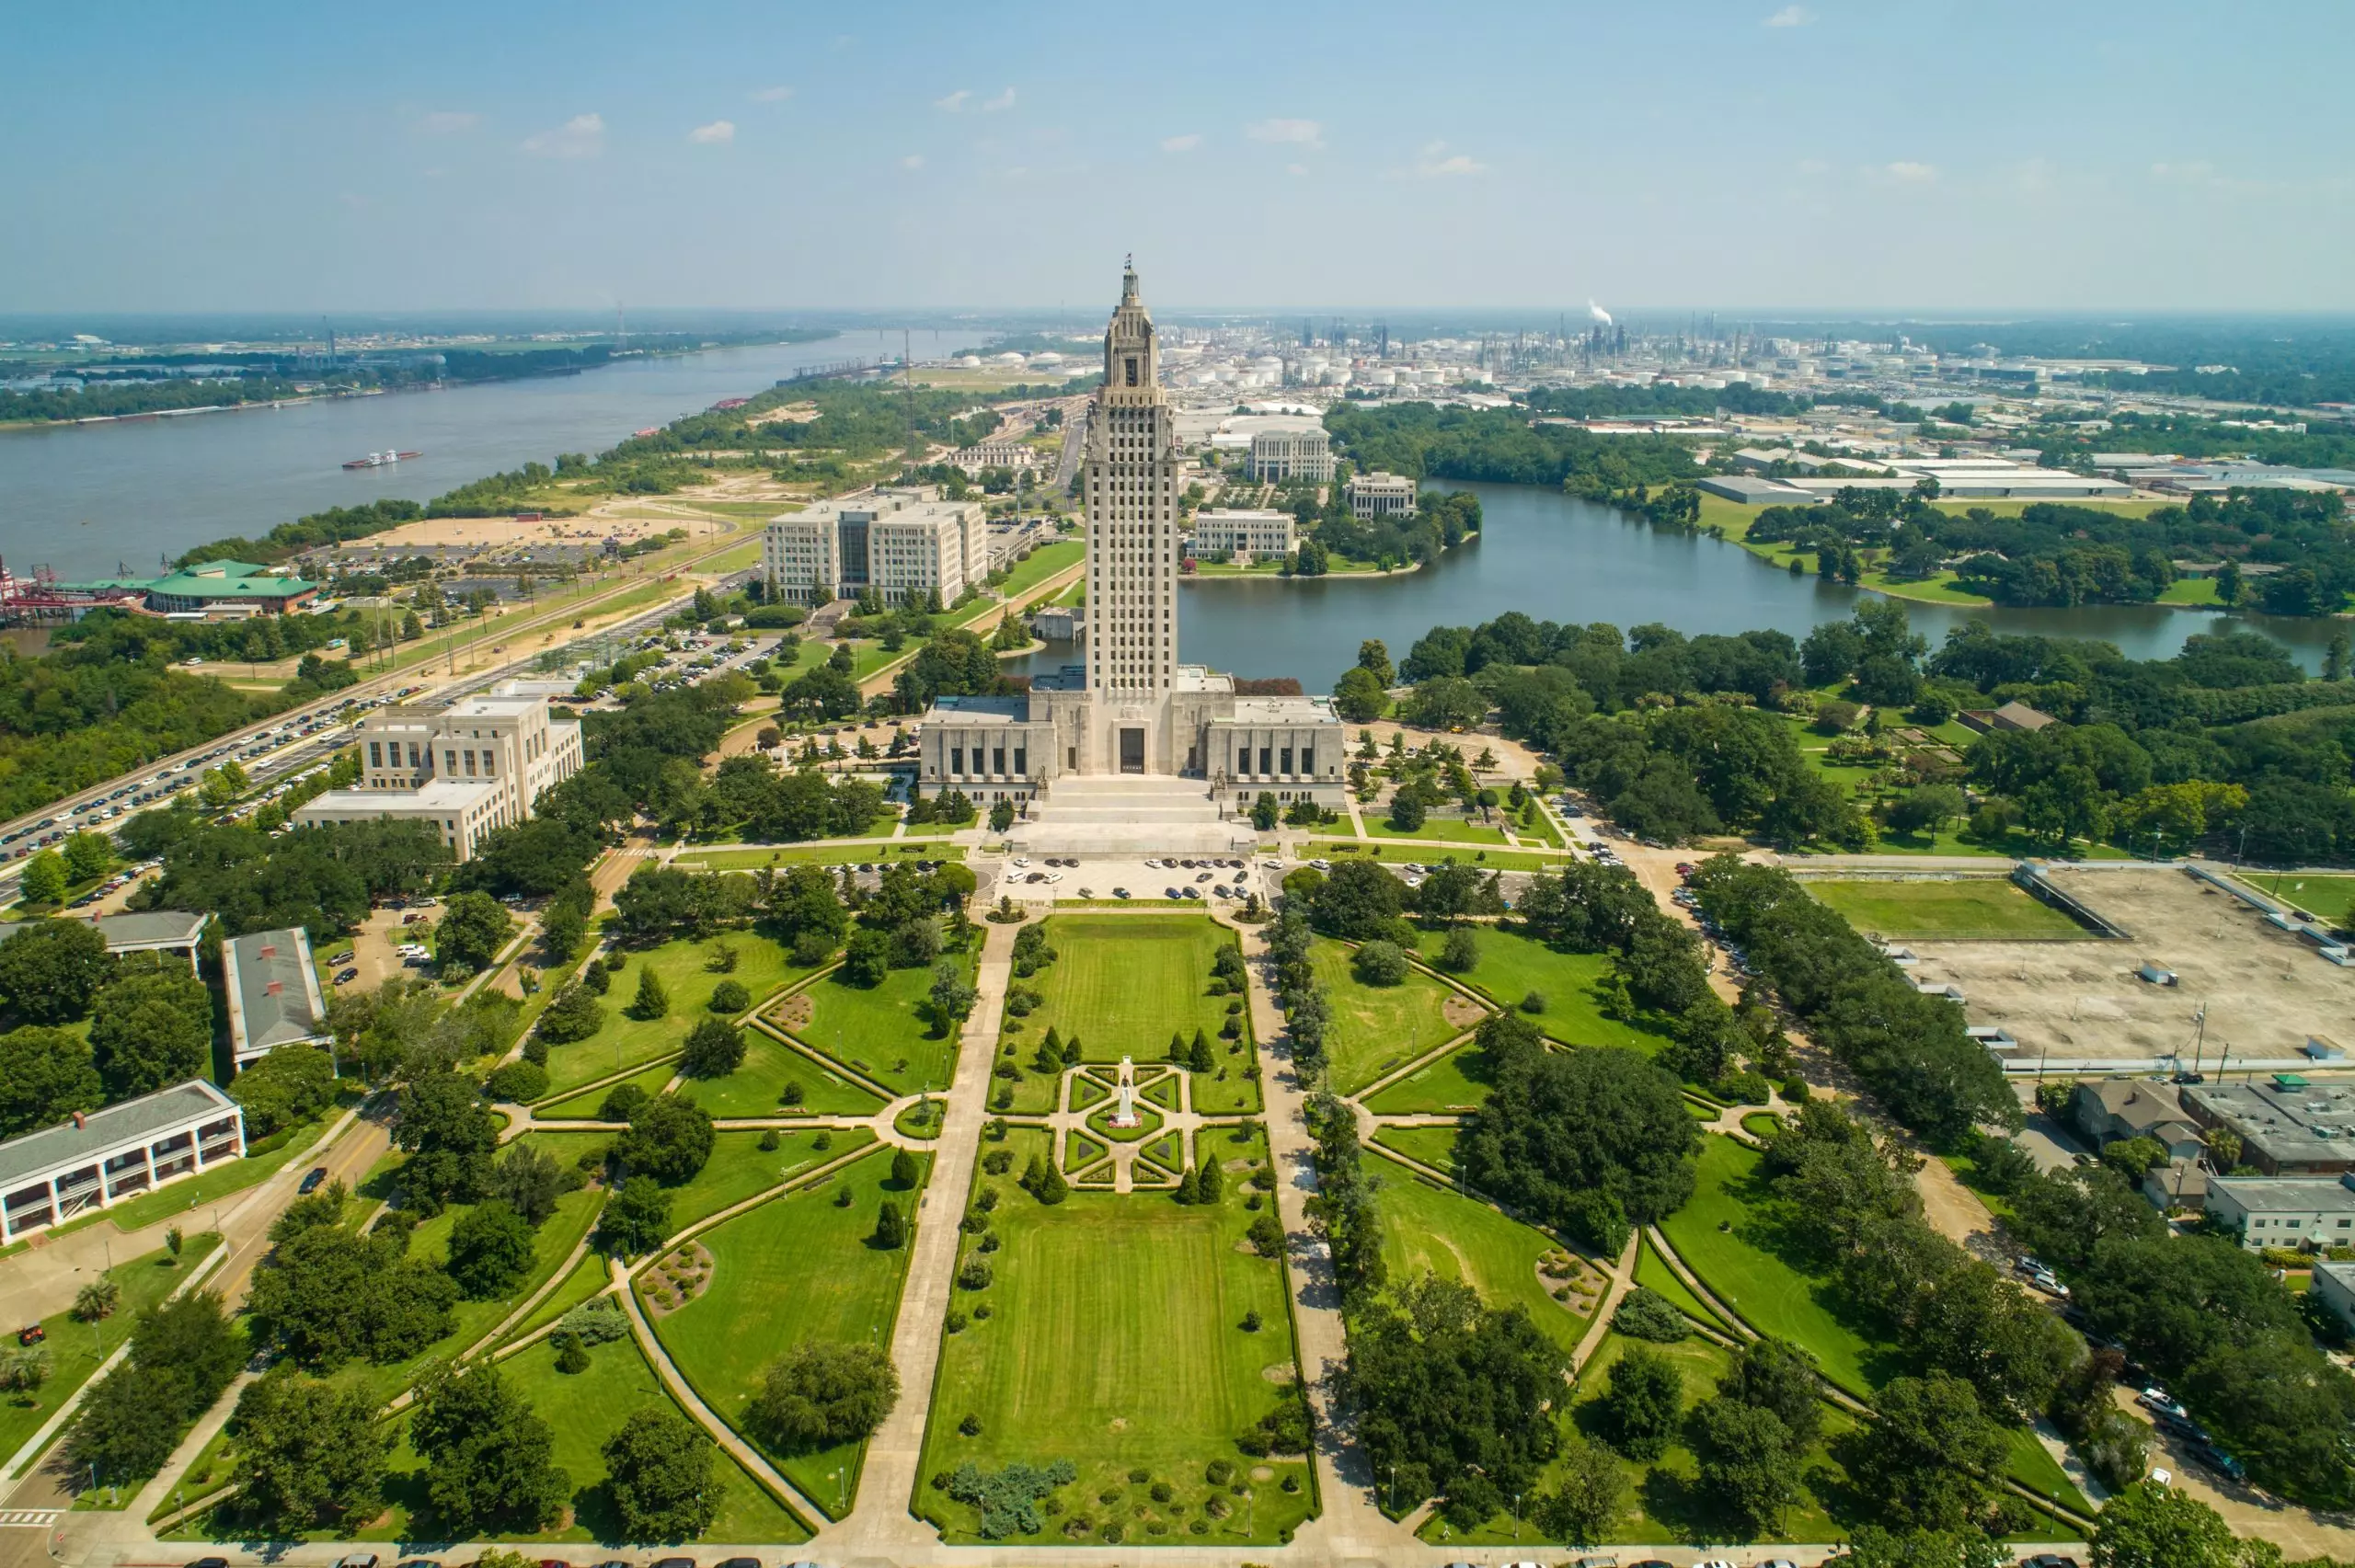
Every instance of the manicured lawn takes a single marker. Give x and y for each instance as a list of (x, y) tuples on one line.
[(1456, 1082), (1439, 830), (1427, 1230), (1749, 1268), (740, 1167), (684, 970), (757, 1087), (1115, 1340), (1042, 563), (2328, 898), (1433, 1146), (1480, 859), (1377, 1028), (753, 859), (76, 1349), (1978, 909), (880, 1033), (1654, 1275), (588, 1276), (584, 1409), (795, 1269), (1124, 983), (584, 1105), (1513, 964)]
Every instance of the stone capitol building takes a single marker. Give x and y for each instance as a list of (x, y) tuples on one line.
[(1133, 750)]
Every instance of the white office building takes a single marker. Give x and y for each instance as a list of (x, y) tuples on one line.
[(995, 452), (476, 766), (1260, 533), (100, 1158), (1298, 453), (905, 541), (1379, 495), (2285, 1211), (1159, 750)]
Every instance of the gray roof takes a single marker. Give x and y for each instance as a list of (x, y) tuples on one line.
[(2274, 1195), (33, 1154), (151, 928), (2312, 1126), (273, 993)]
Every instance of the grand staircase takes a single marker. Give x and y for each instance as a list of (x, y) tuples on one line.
[(1129, 814)]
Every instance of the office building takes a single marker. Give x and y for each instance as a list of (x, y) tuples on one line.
[(1297, 453), (903, 541), (1262, 534), (100, 1158), (2284, 1211), (1379, 495), (273, 993), (476, 766), (2287, 1125)]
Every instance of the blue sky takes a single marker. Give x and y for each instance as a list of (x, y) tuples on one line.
[(1834, 155)]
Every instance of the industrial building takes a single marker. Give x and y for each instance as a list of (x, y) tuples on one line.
[(477, 766), (903, 541), (100, 1158), (2287, 1125)]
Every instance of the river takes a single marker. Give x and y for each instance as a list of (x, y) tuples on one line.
[(1559, 558), (85, 498)]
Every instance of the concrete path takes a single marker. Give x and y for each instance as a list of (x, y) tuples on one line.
[(879, 1520)]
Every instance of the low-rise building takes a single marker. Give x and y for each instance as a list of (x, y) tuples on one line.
[(478, 765), (273, 993), (100, 1158), (1295, 453), (2011, 716), (228, 588), (1261, 534), (2284, 1211), (2287, 1128), (2107, 1110), (994, 452), (143, 930), (1380, 495), (2334, 1287), (903, 541)]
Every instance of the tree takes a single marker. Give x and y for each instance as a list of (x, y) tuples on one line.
[(529, 1181), (44, 879), (562, 931), (97, 1300), (451, 1135), (1357, 902), (1749, 1462), (890, 1228), (1584, 1504), (472, 927), (1643, 1402), (661, 1473), (50, 970), (571, 1014), (636, 1217), (490, 1250), (151, 1028), (652, 1000), (1373, 657), (309, 1453), (1777, 1376), (823, 1392), (1001, 815), (1406, 811), (489, 1457), (128, 1423), (715, 1048), (2151, 1526), (1933, 1456), (87, 857), (290, 1084), (1446, 702), (46, 1075), (951, 997), (669, 1138), (1380, 963), (1265, 813), (730, 997), (331, 1297), (1358, 696), (867, 960)]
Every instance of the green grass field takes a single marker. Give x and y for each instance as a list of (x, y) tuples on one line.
[(753, 858), (1749, 1268), (1377, 1028), (1439, 830), (1123, 983), (584, 1409), (1653, 1274), (1115, 1340), (758, 1086), (740, 1167), (584, 1105), (880, 1033), (588, 1278), (2328, 898), (1456, 1082), (1978, 908), (1427, 1230), (1513, 964), (1477, 858), (797, 1268), (76, 1349), (1433, 1146), (761, 968)]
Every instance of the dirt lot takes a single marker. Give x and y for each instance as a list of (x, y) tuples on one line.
[(2082, 1002)]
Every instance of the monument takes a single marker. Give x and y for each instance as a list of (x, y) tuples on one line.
[(1133, 748), (1124, 1111)]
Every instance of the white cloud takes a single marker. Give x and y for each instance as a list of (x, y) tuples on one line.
[(1435, 162), (913, 161), (583, 136), (718, 130), (1185, 144), (448, 122), (1295, 169), (1789, 16), (1907, 172), (772, 94), (1004, 100), (953, 102), (1299, 132)]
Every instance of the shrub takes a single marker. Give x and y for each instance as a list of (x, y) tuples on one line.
[(1380, 963), (1646, 1314), (622, 1102), (516, 1083), (1534, 1004), (730, 997)]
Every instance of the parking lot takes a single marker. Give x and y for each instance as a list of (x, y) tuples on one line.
[(1078, 878)]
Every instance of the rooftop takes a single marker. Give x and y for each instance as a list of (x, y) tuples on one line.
[(35, 1152), (273, 991), (2302, 1195)]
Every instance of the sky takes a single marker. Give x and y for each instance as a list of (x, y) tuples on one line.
[(1830, 155)]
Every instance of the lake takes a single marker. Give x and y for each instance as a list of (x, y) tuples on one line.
[(86, 498), (1559, 558)]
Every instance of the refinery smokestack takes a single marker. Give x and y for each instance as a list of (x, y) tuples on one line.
[(1598, 312)]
